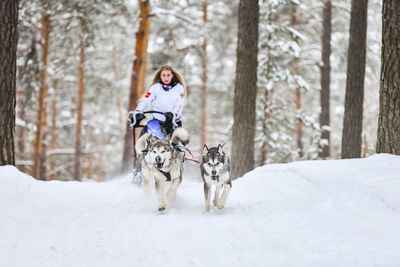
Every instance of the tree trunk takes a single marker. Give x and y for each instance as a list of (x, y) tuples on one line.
[(389, 96), (353, 112), (245, 89), (21, 135), (324, 119), (91, 154), (8, 51), (100, 166), (73, 107), (297, 100), (204, 81), (40, 147), (53, 142), (79, 107), (267, 112), (137, 78), (366, 152), (27, 76)]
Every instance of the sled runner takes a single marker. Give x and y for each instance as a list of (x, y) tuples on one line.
[(152, 126)]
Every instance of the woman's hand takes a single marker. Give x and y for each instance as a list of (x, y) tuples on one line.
[(168, 117), (138, 117)]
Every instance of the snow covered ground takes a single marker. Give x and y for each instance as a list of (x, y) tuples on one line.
[(312, 213)]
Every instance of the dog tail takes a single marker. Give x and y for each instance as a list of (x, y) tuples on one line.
[(180, 136)]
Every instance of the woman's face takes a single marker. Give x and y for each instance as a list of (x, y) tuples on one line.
[(166, 76)]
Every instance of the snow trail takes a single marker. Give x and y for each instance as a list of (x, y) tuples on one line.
[(312, 213)]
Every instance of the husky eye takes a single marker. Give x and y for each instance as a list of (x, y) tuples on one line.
[(209, 164), (162, 151), (216, 164), (154, 152)]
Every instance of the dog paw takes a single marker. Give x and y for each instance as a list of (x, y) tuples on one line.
[(161, 207), (220, 205), (215, 202), (207, 208)]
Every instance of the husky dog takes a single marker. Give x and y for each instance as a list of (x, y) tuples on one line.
[(162, 163), (215, 170)]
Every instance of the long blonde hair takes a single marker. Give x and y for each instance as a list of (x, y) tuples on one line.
[(177, 77)]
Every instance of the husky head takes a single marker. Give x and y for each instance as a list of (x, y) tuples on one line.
[(213, 161), (159, 153)]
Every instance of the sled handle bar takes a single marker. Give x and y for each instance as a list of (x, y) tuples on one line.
[(132, 114)]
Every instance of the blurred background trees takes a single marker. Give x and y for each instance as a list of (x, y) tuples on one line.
[(79, 76)]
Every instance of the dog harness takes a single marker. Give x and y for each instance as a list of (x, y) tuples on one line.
[(167, 175)]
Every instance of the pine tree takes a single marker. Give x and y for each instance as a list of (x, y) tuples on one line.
[(389, 99), (79, 107), (280, 78), (245, 89), (139, 71), (63, 64), (39, 169), (353, 112), (8, 52), (297, 99), (325, 79)]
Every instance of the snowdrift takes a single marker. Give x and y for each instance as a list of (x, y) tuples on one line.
[(311, 213)]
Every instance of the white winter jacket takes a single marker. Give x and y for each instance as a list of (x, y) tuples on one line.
[(164, 100)]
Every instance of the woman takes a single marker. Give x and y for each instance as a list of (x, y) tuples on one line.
[(167, 93)]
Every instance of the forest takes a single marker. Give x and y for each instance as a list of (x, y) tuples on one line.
[(276, 81)]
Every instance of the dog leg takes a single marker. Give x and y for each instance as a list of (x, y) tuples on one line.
[(160, 194), (148, 181), (146, 186), (171, 194), (207, 195), (216, 194), (222, 200)]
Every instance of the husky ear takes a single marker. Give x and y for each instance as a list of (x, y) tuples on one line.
[(205, 150), (219, 149), (148, 142)]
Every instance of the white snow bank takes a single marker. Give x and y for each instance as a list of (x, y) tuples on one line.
[(311, 213)]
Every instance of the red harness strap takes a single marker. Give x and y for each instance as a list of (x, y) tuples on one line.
[(194, 159)]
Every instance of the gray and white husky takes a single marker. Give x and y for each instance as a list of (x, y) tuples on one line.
[(162, 163), (215, 170)]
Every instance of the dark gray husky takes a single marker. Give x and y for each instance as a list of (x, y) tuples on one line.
[(215, 170)]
